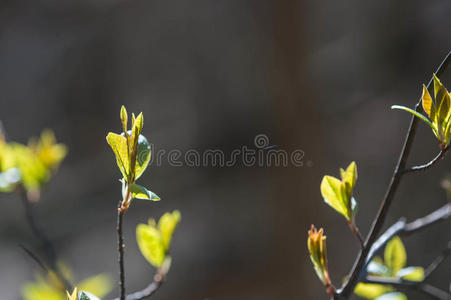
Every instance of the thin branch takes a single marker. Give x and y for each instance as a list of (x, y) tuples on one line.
[(438, 261), (121, 246), (47, 245), (402, 228), (34, 257), (429, 164), (148, 291), (376, 227), (423, 287)]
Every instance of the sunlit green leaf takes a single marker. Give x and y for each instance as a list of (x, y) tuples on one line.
[(166, 225), (371, 291), (428, 104), (119, 145), (140, 192), (395, 255), (124, 118), (393, 296), (150, 243), (411, 274), (99, 285), (333, 194)]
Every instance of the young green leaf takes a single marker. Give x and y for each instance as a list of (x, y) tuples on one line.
[(166, 225), (99, 285), (393, 296), (338, 193), (150, 243), (371, 291), (119, 145), (411, 274), (428, 104), (140, 192), (332, 192), (395, 255), (124, 118)]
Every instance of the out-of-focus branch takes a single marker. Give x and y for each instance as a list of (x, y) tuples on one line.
[(46, 244), (147, 291), (402, 228)]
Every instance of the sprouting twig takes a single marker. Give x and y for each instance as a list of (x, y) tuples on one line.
[(379, 220), (429, 164)]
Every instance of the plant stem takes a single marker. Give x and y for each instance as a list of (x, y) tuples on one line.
[(378, 222), (46, 244), (121, 246)]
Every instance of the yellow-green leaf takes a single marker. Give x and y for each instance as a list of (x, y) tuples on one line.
[(119, 145), (99, 285), (371, 291), (166, 225), (124, 118), (395, 255), (140, 192), (393, 296), (349, 178), (333, 195), (428, 104), (150, 244), (411, 274)]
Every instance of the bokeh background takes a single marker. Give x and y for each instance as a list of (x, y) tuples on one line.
[(319, 76)]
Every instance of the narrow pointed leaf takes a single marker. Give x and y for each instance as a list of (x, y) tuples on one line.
[(428, 104), (415, 113)]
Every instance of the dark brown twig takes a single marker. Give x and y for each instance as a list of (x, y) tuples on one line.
[(379, 220), (121, 246)]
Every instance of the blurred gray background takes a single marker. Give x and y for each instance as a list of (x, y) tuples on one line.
[(319, 76)]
